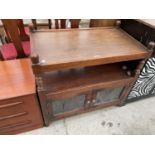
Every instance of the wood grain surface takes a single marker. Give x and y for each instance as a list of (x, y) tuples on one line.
[(16, 78), (84, 47)]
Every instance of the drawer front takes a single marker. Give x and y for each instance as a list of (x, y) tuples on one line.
[(9, 107), (18, 113)]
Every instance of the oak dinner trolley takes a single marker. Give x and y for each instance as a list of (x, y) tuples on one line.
[(80, 70)]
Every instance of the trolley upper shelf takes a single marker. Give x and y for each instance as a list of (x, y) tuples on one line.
[(70, 48)]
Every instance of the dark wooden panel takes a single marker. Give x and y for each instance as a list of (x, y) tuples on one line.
[(59, 84), (67, 92), (79, 111), (139, 30)]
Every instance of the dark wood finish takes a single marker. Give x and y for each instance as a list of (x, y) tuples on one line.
[(34, 23), (129, 87), (34, 58), (102, 22), (59, 85), (43, 100), (87, 101), (23, 35), (19, 108), (75, 23), (140, 30), (86, 47), (143, 31), (84, 110), (1, 39), (7, 35), (151, 47), (58, 23), (50, 23), (21, 30), (147, 22), (85, 62), (63, 23)]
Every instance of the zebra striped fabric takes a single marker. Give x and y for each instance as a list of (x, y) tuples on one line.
[(146, 81), (153, 92)]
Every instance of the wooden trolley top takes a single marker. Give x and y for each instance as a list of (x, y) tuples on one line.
[(71, 48)]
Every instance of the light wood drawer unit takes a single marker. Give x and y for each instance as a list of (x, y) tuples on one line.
[(19, 114), (19, 108)]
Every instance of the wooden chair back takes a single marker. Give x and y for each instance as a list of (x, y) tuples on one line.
[(1, 39), (21, 31), (1, 42), (57, 23), (14, 33)]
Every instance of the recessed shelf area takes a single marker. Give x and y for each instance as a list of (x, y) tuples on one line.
[(70, 81)]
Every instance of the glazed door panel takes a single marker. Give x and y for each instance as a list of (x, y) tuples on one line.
[(84, 101), (108, 95), (67, 105)]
